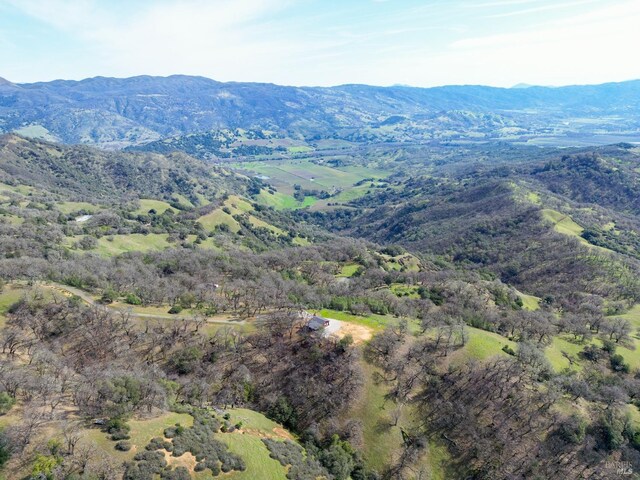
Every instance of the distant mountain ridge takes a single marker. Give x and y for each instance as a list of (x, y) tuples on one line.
[(115, 113)]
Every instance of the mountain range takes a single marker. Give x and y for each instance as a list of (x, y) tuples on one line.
[(116, 113)]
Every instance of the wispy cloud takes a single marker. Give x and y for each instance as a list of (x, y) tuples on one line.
[(322, 42), (543, 8)]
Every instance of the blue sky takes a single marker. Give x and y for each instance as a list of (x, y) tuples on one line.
[(328, 42)]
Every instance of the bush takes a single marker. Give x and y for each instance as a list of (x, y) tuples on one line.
[(123, 446), (132, 299), (146, 466), (175, 309), (120, 435), (573, 429), (6, 402), (180, 473), (618, 364), (508, 350), (118, 429), (290, 453), (108, 296), (155, 443), (608, 346), (117, 424), (5, 450)]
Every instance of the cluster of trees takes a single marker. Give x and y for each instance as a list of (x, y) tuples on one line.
[(59, 354), (508, 417)]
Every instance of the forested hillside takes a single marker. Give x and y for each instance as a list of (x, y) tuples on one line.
[(478, 309)]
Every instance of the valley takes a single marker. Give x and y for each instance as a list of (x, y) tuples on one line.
[(155, 304), (310, 240)]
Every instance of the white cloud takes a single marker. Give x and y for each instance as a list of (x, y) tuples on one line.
[(261, 40)]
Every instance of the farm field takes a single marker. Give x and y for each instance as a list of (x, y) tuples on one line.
[(282, 201), (284, 174)]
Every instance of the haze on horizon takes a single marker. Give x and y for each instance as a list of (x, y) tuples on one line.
[(314, 42)]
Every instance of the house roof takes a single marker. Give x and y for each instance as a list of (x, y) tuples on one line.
[(316, 322)]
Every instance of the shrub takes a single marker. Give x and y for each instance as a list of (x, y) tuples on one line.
[(573, 429), (146, 466), (108, 296), (180, 473), (175, 309), (44, 465), (117, 424), (120, 435), (290, 453), (508, 350), (123, 446), (6, 402), (618, 364), (608, 346), (132, 299), (118, 429), (155, 443)]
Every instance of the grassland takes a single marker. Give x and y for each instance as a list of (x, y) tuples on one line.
[(9, 295), (260, 466), (404, 290), (281, 201), (373, 321), (147, 204), (19, 189), (246, 442), (348, 270), (383, 440), (529, 302), (142, 431), (134, 242), (299, 149), (406, 262), (218, 217), (561, 347), (563, 223), (36, 131), (69, 207), (481, 345)]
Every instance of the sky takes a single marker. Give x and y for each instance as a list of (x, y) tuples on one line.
[(324, 42)]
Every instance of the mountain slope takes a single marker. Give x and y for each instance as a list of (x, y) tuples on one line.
[(85, 173), (505, 220)]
